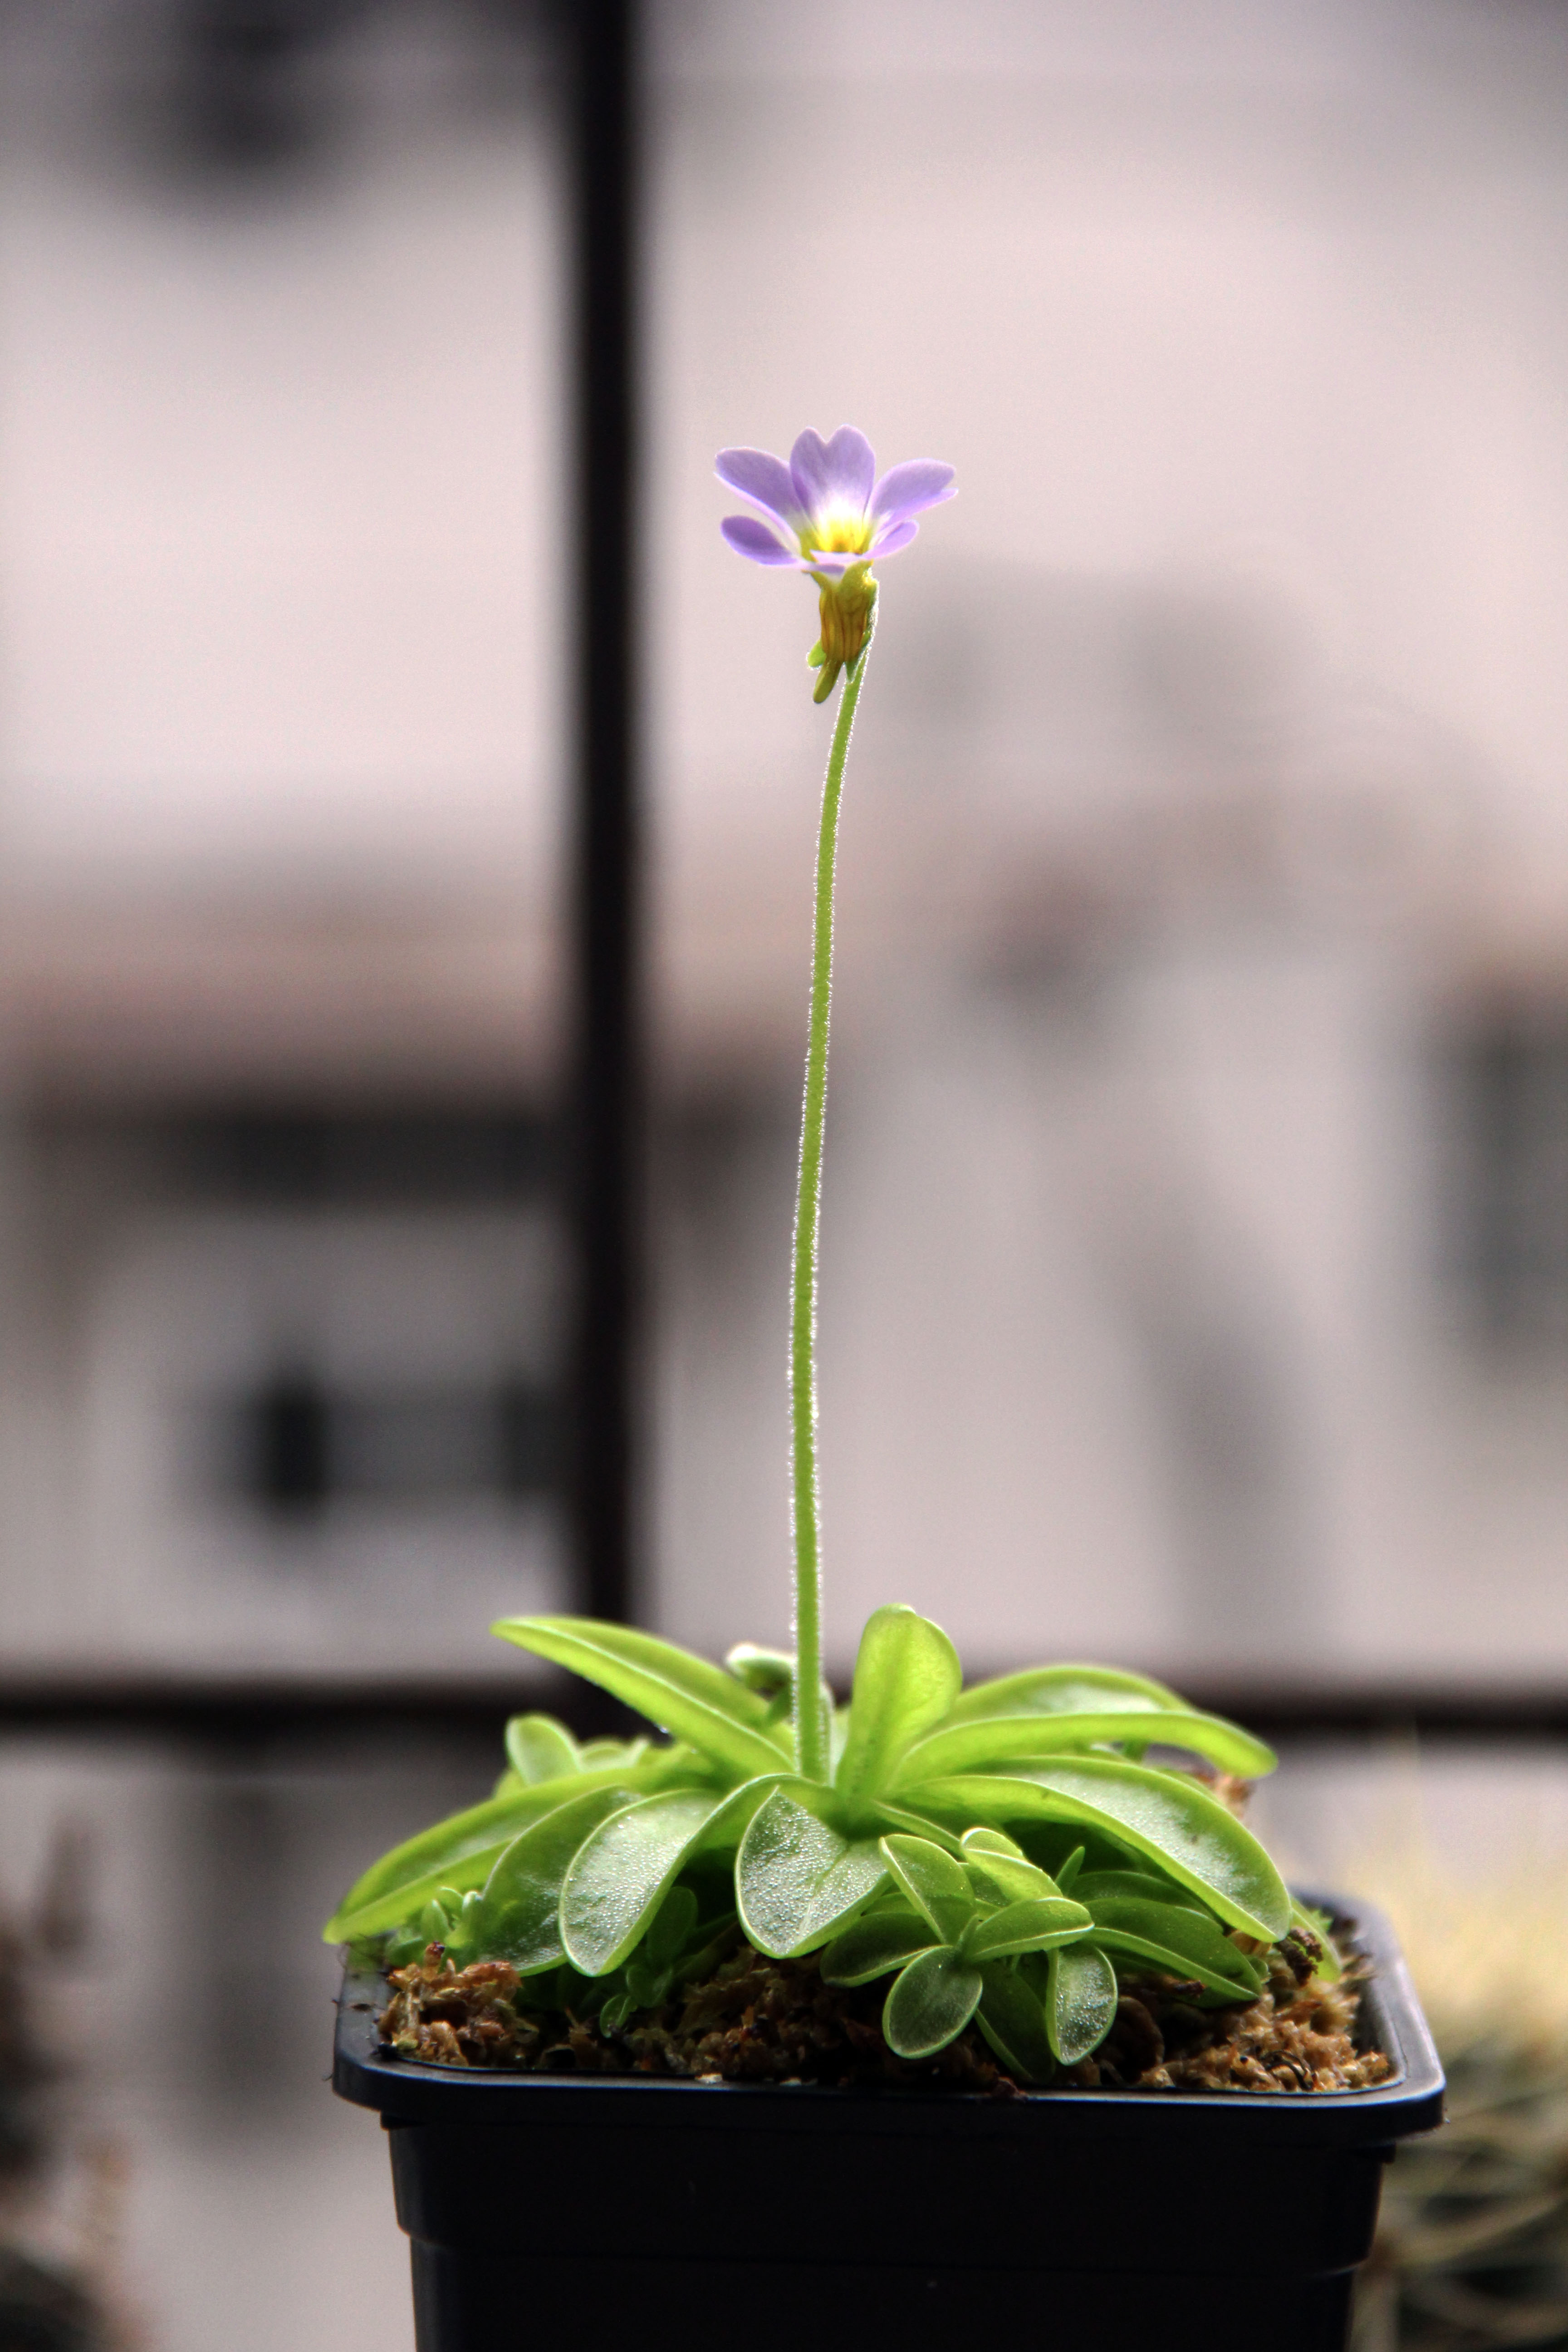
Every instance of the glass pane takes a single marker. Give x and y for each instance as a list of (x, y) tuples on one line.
[(282, 740), (1204, 846)]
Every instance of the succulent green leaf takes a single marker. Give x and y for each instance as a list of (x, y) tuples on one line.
[(872, 1944), (799, 1877), (519, 1916), (1171, 1819), (932, 2001), (1063, 1690), (997, 1740), (1012, 2021), (683, 1695), (539, 1748), (907, 1675), (1028, 1927), (461, 1850), (1179, 1941), (938, 1887), (1100, 1885), (1067, 1873), (597, 1753), (1080, 2001), (999, 1872), (621, 1872)]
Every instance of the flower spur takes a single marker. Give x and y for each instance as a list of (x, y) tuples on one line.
[(826, 513)]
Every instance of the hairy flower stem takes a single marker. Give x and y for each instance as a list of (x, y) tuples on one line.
[(811, 1744)]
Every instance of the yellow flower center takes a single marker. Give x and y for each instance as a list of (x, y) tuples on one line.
[(841, 534)]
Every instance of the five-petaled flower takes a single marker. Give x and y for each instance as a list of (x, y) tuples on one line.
[(826, 513)]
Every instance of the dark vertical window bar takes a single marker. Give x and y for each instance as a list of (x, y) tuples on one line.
[(606, 1203)]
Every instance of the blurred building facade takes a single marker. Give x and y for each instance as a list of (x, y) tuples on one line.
[(1196, 1254)]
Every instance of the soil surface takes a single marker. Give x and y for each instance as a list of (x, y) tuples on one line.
[(757, 2021)]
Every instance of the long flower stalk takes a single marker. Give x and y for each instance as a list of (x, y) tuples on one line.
[(813, 1744)]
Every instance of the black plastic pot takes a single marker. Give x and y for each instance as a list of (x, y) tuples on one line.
[(589, 2212)]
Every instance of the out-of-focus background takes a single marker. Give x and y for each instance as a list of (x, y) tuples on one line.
[(1196, 1277)]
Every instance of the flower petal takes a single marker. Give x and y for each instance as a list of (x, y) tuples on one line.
[(906, 490), (766, 480), (748, 535), (833, 474), (891, 536)]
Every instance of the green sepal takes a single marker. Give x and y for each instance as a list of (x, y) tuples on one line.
[(932, 2001), (907, 1675), (519, 1910), (1033, 1925), (798, 1876), (933, 1881), (539, 1748), (874, 1943), (1080, 2001), (684, 1694), (1167, 1816), (621, 1872), (815, 657), (1014, 2023), (828, 681), (994, 1742)]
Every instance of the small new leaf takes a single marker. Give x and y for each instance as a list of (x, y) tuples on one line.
[(931, 2003), (875, 1944), (1080, 2001), (938, 1887), (907, 1675)]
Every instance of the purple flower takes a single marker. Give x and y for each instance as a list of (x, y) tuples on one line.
[(826, 513), (825, 510)]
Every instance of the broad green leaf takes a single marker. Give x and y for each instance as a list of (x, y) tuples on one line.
[(1011, 2018), (1172, 1820), (899, 1817), (931, 2003), (1141, 1885), (461, 1850), (1080, 2001), (623, 1872), (540, 1748), (1027, 1927), (519, 1911), (933, 1881), (1063, 1690), (797, 1877), (870, 1945), (1179, 1941), (997, 1740), (684, 1694), (907, 1676)]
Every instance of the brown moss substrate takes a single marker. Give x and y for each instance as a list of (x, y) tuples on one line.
[(761, 2020)]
